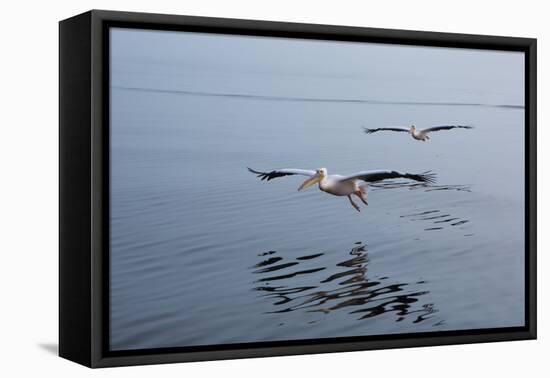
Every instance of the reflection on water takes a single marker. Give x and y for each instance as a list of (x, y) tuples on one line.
[(437, 220), (395, 184), (349, 289)]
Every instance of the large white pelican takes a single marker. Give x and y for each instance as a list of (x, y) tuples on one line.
[(418, 134), (344, 185)]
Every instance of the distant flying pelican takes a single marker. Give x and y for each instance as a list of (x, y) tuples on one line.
[(418, 134), (344, 185)]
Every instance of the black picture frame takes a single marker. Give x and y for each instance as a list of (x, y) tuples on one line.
[(84, 187)]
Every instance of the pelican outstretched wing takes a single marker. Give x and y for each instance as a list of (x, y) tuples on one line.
[(445, 127), (281, 173), (379, 175), (401, 129)]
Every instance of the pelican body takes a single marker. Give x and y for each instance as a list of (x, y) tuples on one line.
[(418, 134), (334, 185), (337, 185)]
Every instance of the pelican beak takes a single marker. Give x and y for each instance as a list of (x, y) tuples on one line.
[(310, 181)]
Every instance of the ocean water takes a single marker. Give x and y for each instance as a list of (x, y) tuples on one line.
[(203, 252)]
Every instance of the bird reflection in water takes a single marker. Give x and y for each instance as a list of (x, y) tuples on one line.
[(347, 290)]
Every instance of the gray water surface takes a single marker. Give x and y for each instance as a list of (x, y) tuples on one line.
[(203, 252)]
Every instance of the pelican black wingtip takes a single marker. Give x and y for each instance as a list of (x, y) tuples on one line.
[(259, 174), (429, 177)]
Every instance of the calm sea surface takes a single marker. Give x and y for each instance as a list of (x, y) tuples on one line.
[(203, 252)]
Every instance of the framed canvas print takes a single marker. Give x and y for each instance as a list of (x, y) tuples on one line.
[(234, 188)]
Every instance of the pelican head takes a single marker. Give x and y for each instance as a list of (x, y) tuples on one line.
[(413, 128), (320, 174)]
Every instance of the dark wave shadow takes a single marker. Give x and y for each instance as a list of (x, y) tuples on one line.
[(396, 184), (437, 220), (314, 99), (346, 288)]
